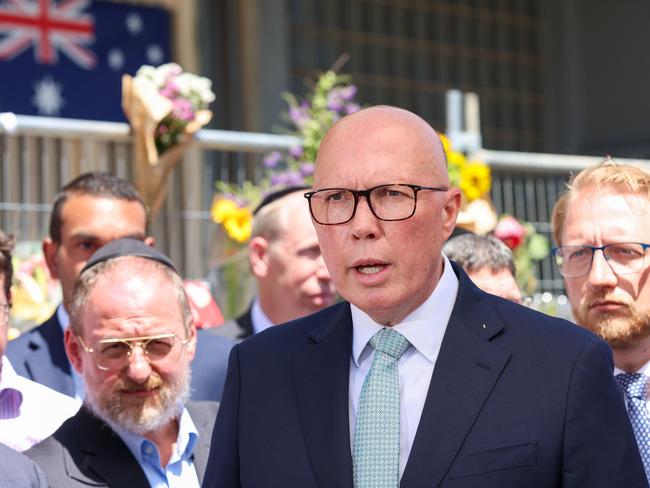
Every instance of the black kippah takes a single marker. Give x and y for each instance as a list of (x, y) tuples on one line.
[(127, 246), (276, 195)]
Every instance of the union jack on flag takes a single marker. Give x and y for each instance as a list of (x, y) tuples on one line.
[(66, 58), (48, 27)]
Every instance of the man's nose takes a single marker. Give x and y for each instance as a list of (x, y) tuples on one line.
[(138, 368), (601, 274), (364, 223)]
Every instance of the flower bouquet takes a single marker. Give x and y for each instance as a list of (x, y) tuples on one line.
[(164, 106)]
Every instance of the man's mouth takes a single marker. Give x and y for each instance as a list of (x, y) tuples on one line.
[(606, 305), (370, 269)]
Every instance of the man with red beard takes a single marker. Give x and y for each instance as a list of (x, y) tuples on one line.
[(602, 228), (132, 339)]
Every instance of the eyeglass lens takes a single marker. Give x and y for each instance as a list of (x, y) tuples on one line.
[(623, 258), (387, 202), (115, 354)]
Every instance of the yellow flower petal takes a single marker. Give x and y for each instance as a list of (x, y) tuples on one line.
[(239, 224), (475, 180), (221, 209)]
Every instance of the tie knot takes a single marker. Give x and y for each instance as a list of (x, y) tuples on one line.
[(635, 385), (390, 342)]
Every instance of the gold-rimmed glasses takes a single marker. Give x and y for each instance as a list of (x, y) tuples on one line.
[(115, 353)]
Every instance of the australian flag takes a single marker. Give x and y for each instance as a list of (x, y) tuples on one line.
[(66, 58)]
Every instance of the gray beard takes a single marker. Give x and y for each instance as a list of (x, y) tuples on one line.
[(122, 420)]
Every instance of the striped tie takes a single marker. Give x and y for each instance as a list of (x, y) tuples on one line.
[(376, 441)]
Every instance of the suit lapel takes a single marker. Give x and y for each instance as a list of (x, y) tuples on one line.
[(49, 363), (467, 368), (103, 456), (321, 375)]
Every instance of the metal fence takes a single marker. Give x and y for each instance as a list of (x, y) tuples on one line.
[(39, 155)]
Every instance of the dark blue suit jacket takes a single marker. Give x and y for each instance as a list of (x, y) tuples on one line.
[(517, 399), (40, 356)]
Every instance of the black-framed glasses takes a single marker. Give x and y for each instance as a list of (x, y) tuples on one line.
[(114, 354), (622, 257), (332, 206)]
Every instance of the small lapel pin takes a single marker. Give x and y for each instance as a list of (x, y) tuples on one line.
[(484, 326)]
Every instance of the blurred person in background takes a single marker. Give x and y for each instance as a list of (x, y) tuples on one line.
[(29, 412), (89, 212), (285, 260), (487, 261), (602, 229)]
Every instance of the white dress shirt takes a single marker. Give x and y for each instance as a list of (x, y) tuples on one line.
[(424, 328), (29, 411), (259, 318)]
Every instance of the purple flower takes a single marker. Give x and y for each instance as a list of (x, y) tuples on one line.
[(338, 98), (287, 178), (299, 115), (350, 108), (296, 151), (294, 178), (306, 169), (271, 160), (347, 93), (334, 102)]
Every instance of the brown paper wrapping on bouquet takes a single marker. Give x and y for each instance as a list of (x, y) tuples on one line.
[(478, 216), (145, 110)]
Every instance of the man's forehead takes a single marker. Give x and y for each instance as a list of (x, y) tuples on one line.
[(613, 197), (401, 146)]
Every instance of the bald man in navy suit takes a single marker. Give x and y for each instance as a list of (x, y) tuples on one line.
[(418, 379)]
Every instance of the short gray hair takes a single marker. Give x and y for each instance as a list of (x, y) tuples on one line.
[(87, 279), (473, 252)]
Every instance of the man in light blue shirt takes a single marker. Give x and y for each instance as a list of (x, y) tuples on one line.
[(132, 339)]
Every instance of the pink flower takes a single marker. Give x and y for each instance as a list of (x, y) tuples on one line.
[(510, 231), (182, 109)]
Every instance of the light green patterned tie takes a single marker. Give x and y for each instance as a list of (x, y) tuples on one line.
[(376, 441)]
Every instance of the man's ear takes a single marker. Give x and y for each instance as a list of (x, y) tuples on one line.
[(258, 256), (191, 345), (50, 249), (450, 212), (73, 349), (150, 241)]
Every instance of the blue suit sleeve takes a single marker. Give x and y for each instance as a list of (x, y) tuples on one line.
[(223, 462), (599, 445)]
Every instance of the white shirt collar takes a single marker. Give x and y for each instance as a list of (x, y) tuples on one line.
[(259, 318), (424, 327), (64, 318)]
